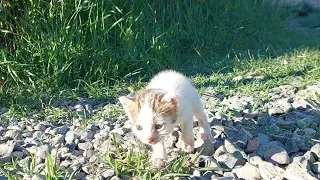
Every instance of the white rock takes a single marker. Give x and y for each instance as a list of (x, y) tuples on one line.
[(248, 171), (268, 171), (71, 136)]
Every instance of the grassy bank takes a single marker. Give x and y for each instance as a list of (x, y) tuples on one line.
[(48, 47)]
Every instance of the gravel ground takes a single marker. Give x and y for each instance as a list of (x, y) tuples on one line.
[(255, 139)]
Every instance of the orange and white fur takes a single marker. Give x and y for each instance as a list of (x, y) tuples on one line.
[(169, 100)]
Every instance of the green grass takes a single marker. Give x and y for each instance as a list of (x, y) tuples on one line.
[(91, 48), (103, 49), (300, 66), (48, 171)]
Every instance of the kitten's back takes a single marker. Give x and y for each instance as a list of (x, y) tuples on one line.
[(172, 81)]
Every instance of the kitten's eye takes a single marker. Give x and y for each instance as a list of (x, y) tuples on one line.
[(159, 126), (139, 127)]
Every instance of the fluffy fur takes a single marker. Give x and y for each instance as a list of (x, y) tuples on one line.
[(169, 99)]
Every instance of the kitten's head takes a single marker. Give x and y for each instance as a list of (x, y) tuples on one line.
[(152, 112)]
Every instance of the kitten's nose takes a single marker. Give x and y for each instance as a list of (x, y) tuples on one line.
[(150, 139)]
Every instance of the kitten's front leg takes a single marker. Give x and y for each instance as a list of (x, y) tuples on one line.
[(187, 136), (159, 155)]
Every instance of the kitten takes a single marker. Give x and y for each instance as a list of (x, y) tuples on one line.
[(169, 99)]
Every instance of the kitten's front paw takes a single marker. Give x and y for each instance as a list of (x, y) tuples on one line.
[(188, 148), (205, 136), (157, 163)]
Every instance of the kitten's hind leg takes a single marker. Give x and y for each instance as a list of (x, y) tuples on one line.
[(204, 127)]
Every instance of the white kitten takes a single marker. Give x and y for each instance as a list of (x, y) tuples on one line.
[(168, 100)]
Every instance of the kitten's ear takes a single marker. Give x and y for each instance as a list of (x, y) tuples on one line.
[(126, 101), (170, 98), (129, 106)]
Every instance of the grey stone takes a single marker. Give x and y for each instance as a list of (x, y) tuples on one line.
[(30, 141), (207, 148), (299, 169), (13, 134), (263, 139), (241, 139), (209, 175), (71, 136), (276, 155), (196, 173), (217, 142), (308, 156), (78, 107), (297, 154), (87, 136), (93, 177), (41, 154), (301, 144), (229, 174), (85, 146), (32, 149), (6, 150), (304, 122), (233, 103), (279, 106), (92, 127), (88, 107), (88, 153), (275, 111), (17, 127), (59, 152), (89, 168), (69, 155), (248, 171), (231, 148), (79, 161), (65, 164), (207, 161), (79, 175), (225, 178), (71, 146), (119, 131), (58, 139), (3, 177), (94, 158), (255, 160), (40, 127), (38, 177), (37, 135), (221, 150), (310, 132), (115, 178), (229, 160), (17, 154), (62, 129), (316, 167), (269, 171), (27, 134), (291, 146), (104, 132), (252, 145), (315, 149), (117, 137), (281, 138), (41, 151), (97, 142)]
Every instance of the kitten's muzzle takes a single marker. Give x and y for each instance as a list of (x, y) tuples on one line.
[(150, 140)]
